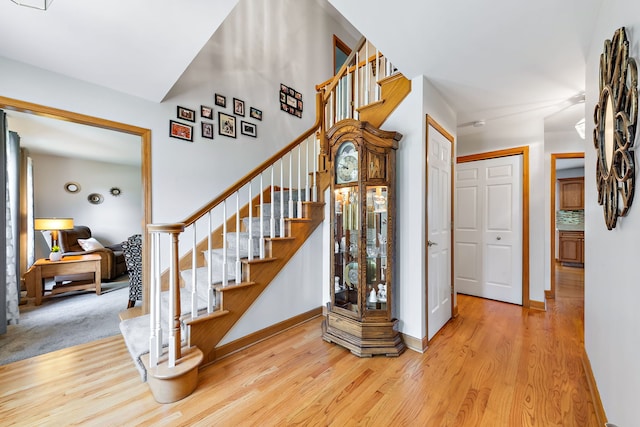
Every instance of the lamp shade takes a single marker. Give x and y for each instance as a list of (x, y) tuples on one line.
[(53, 223)]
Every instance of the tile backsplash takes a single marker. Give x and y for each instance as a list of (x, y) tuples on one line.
[(570, 217)]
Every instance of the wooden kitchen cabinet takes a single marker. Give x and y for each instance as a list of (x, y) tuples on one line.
[(571, 193), (571, 247)]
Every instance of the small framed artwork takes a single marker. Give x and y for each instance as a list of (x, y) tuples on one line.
[(221, 101), (186, 114), (238, 107), (207, 130), (255, 113), (180, 130), (226, 125), (248, 129), (291, 100), (206, 112)]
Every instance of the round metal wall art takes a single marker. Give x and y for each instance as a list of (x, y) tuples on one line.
[(72, 187), (615, 119), (95, 198)]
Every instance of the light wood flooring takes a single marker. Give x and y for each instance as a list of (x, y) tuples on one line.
[(494, 365)]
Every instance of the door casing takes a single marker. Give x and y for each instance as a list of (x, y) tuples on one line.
[(145, 137)]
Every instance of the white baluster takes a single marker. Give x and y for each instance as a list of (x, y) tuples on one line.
[(211, 302), (339, 100), (261, 217), (349, 97), (272, 219), (299, 182), (290, 213), (314, 190), (225, 281), (367, 78), (306, 167), (282, 197), (377, 91), (238, 264), (250, 242), (194, 284), (155, 337), (356, 90), (173, 341)]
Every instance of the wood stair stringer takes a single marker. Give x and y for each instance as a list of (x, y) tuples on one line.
[(257, 275), (393, 90)]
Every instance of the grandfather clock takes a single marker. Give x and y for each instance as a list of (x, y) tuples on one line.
[(362, 203)]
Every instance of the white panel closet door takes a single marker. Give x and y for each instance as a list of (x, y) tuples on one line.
[(488, 239), (439, 232)]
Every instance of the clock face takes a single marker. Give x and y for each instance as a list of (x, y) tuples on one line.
[(346, 163)]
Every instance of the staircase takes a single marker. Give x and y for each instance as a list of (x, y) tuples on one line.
[(203, 279)]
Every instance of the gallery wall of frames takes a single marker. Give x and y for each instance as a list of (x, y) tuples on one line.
[(227, 117)]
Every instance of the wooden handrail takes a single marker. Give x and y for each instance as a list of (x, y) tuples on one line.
[(341, 71), (262, 167), (351, 69)]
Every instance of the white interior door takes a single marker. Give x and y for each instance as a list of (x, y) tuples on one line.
[(488, 234), (439, 291)]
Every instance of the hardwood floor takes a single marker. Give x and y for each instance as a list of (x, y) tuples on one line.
[(496, 364)]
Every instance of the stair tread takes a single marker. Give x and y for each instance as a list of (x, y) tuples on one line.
[(232, 286), (207, 316)]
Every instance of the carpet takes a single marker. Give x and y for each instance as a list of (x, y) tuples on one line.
[(65, 320)]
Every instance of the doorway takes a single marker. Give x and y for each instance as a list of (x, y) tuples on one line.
[(145, 148), (559, 161), (524, 186), (489, 229)]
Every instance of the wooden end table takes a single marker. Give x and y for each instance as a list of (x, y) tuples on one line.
[(71, 264)]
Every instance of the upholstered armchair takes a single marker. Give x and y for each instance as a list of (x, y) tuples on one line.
[(133, 258), (112, 261)]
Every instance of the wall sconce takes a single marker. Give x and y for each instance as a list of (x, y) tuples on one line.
[(35, 4), (53, 225)]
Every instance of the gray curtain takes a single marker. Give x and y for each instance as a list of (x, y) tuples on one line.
[(10, 171)]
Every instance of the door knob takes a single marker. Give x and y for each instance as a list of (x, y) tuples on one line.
[(498, 238), (430, 243)]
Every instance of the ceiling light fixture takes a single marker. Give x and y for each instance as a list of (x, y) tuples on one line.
[(35, 4), (580, 127)]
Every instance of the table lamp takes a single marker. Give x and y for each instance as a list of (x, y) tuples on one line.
[(53, 225)]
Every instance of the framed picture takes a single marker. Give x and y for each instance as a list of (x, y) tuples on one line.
[(255, 113), (226, 125), (206, 112), (220, 100), (290, 101), (238, 107), (207, 130), (180, 130), (186, 114), (248, 129)]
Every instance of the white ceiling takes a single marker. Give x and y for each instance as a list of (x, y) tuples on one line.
[(507, 63), (139, 48), (502, 61)]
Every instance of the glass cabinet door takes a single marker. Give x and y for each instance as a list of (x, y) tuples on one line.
[(346, 241), (376, 239)]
